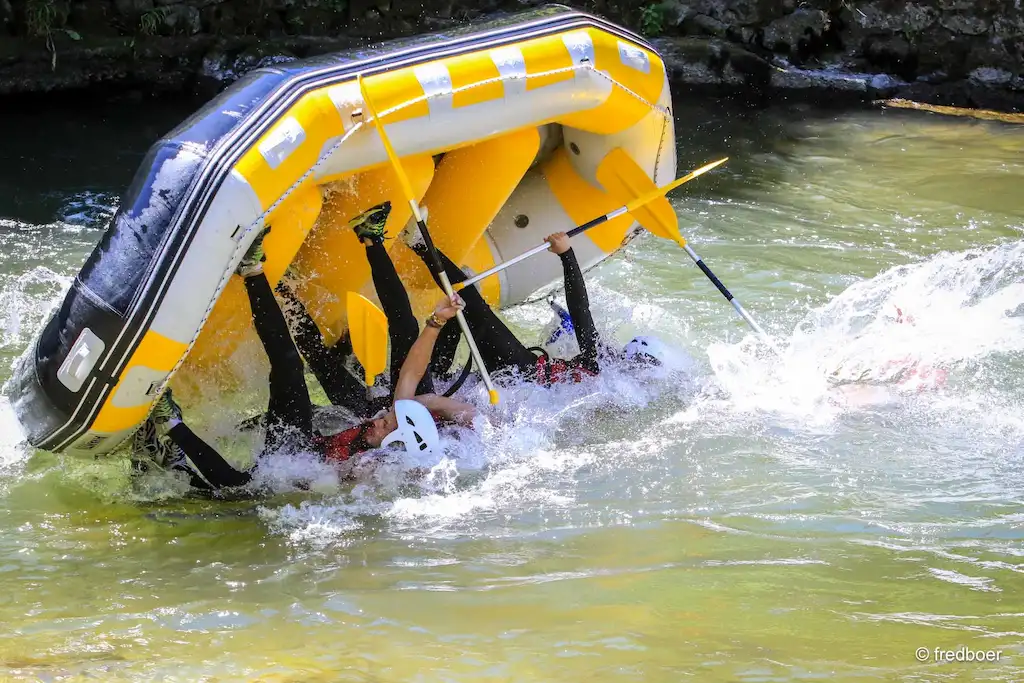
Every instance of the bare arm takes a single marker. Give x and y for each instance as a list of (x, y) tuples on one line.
[(448, 408), (416, 363)]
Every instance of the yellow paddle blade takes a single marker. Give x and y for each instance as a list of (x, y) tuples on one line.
[(656, 222), (624, 180), (368, 329)]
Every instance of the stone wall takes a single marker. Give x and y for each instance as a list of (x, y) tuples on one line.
[(961, 52), (964, 52)]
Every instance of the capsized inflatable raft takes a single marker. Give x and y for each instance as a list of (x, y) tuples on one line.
[(500, 127)]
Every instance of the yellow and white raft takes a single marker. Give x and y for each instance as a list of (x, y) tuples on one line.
[(500, 130)]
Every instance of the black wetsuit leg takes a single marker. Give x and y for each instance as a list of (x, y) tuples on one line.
[(326, 362), (579, 310), (207, 460), (499, 347), (403, 329), (289, 409)]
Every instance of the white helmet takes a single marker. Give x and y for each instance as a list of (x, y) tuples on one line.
[(416, 428), (647, 349)]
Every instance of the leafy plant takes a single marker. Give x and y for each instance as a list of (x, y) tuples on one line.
[(652, 20), (149, 22), (42, 19), (41, 16)]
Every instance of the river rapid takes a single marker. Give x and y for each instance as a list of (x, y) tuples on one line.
[(816, 510)]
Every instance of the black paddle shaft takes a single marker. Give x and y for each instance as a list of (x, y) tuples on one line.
[(587, 226), (714, 280), (435, 260)]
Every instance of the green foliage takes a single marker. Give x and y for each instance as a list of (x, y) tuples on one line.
[(149, 22), (43, 16), (335, 5), (652, 20)]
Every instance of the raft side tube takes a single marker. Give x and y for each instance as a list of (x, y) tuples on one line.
[(116, 273)]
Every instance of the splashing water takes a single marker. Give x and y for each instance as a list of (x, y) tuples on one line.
[(25, 303), (909, 327), (961, 312), (520, 454)]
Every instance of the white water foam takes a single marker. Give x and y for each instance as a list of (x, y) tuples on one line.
[(25, 303), (13, 447), (523, 454), (958, 311)]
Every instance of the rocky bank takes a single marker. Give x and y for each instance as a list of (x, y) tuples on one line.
[(949, 52)]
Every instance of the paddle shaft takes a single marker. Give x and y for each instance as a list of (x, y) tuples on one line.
[(435, 261), (646, 198), (541, 247), (446, 285), (725, 292)]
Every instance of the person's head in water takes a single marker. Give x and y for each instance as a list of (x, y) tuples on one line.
[(853, 371), (377, 429), (408, 421), (646, 351)]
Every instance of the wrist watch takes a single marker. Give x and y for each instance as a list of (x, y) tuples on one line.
[(434, 321)]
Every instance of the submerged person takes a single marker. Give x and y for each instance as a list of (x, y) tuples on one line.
[(884, 383), (499, 347), (169, 442)]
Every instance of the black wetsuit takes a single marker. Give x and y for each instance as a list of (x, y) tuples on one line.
[(289, 417), (328, 362), (499, 347), (289, 411)]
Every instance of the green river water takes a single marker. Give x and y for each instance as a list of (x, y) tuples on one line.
[(748, 528)]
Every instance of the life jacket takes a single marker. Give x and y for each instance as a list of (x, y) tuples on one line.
[(343, 445), (555, 370)]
